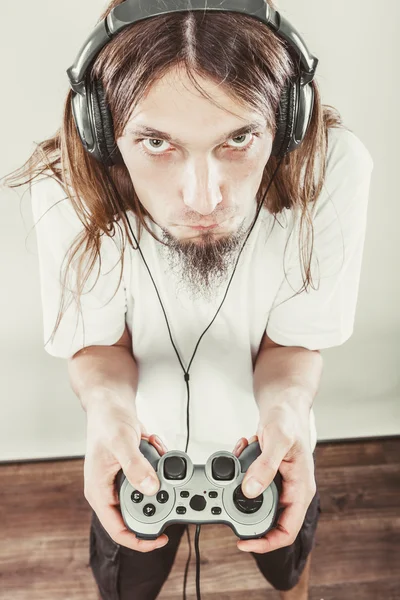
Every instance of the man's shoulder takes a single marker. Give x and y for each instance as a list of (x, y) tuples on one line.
[(47, 192), (344, 144)]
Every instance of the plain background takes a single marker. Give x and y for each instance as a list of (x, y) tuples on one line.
[(40, 416)]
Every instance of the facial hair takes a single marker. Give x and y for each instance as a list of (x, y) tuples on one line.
[(201, 267)]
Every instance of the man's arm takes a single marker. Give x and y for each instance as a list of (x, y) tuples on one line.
[(285, 376), (102, 373)]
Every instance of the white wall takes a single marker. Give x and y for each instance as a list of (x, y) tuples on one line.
[(359, 395)]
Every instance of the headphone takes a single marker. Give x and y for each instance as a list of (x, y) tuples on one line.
[(94, 123)]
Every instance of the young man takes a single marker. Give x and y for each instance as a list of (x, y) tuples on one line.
[(196, 178)]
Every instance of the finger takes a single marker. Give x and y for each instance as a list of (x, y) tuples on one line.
[(112, 521), (275, 446), (242, 443), (284, 534), (238, 449), (262, 471), (158, 443), (152, 438), (298, 489), (137, 469)]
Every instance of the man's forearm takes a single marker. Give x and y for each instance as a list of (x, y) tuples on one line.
[(286, 376), (105, 374)]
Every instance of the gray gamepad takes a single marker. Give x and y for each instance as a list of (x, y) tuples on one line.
[(199, 494)]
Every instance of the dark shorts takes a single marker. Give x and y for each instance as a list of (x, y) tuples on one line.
[(125, 574)]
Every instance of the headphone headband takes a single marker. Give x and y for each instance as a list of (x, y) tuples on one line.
[(133, 11)]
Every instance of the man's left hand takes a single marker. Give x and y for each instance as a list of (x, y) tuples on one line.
[(285, 446)]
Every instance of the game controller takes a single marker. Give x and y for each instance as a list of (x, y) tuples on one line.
[(199, 494)]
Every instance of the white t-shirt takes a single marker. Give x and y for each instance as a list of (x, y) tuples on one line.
[(222, 406)]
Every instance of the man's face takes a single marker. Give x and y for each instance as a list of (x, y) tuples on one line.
[(201, 177)]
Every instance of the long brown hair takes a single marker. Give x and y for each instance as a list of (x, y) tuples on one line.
[(232, 49)]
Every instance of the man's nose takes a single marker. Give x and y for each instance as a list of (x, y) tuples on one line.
[(202, 190)]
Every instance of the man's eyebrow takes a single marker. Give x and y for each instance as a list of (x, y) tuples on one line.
[(162, 135)]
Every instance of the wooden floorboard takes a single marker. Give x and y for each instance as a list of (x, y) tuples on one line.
[(45, 521)]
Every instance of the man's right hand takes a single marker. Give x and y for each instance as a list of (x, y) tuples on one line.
[(113, 437)]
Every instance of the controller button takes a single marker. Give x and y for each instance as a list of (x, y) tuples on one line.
[(244, 504), (213, 494), (174, 467), (216, 510), (162, 496), (198, 502), (181, 510), (185, 494), (149, 510), (136, 496), (223, 468)]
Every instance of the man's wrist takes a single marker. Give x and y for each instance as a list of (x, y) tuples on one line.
[(290, 406), (106, 400), (286, 379)]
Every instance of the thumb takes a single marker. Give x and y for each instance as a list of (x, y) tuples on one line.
[(135, 466), (263, 470)]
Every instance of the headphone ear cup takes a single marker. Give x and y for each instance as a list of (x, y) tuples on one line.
[(285, 120), (103, 127)]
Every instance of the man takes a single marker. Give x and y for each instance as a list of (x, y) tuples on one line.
[(204, 176)]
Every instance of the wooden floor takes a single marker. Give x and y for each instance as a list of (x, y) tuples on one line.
[(45, 521)]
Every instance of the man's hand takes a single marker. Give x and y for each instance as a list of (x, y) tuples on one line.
[(285, 446)]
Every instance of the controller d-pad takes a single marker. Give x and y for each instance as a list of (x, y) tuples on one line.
[(223, 468), (245, 504), (149, 510), (174, 467)]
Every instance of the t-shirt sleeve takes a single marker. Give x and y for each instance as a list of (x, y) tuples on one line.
[(323, 316), (101, 317)]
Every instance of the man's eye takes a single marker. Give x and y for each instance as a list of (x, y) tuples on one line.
[(157, 147), (155, 150), (241, 147)]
